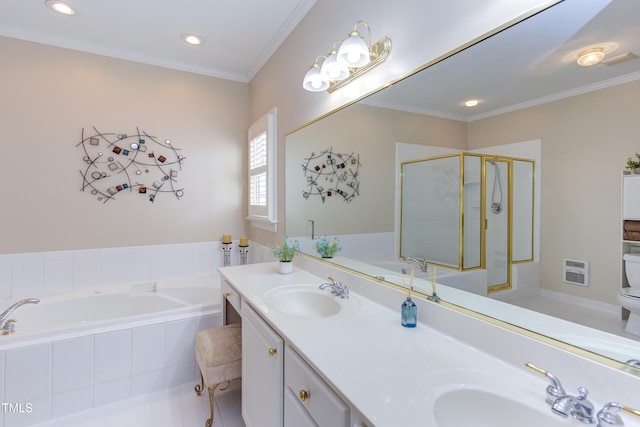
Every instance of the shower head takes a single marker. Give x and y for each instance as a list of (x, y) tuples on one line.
[(491, 162)]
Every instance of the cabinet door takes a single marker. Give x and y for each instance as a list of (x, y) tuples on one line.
[(262, 372), (311, 395), (631, 197)]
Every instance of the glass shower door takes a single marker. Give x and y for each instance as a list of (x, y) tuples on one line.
[(497, 239)]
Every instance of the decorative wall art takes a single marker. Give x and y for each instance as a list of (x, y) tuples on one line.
[(331, 174), (136, 163)]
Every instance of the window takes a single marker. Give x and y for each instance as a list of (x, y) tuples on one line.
[(262, 172)]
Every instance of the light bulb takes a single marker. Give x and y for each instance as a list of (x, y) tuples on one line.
[(60, 7), (353, 57), (591, 57)]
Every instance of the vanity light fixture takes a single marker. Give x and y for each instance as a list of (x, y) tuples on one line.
[(192, 39), (60, 7), (315, 80), (590, 57), (332, 67), (354, 57)]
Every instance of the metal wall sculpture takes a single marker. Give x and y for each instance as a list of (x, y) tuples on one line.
[(137, 163)]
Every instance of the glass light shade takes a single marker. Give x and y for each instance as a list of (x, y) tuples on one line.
[(590, 57), (334, 70), (314, 80), (354, 52)]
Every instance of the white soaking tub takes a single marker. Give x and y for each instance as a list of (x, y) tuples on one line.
[(79, 350), (112, 308)]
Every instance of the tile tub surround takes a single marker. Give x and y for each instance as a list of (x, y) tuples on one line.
[(70, 375), (482, 345), (33, 274), (83, 367)]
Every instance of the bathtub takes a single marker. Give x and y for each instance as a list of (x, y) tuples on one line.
[(85, 349), (112, 307)]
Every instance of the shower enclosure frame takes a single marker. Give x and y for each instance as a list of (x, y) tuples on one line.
[(466, 181)]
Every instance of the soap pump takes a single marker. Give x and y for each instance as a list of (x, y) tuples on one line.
[(409, 311)]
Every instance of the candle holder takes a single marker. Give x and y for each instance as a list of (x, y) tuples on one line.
[(226, 250), (244, 251)]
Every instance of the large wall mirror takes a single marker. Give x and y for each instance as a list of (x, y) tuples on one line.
[(343, 171)]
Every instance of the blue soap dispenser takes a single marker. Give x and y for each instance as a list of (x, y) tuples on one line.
[(409, 311)]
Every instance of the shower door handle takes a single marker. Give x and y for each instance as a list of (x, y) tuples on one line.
[(486, 223)]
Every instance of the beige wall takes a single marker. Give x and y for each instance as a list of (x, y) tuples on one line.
[(585, 144), (50, 94)]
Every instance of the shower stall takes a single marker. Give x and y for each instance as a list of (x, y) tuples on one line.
[(468, 211)]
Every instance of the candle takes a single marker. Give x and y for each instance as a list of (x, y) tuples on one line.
[(226, 238), (244, 241)]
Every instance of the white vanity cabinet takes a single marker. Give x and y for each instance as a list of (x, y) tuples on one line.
[(308, 400), (262, 372), (279, 388)]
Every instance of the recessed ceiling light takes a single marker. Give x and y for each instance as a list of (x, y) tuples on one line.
[(591, 56), (60, 7), (192, 39), (471, 103)]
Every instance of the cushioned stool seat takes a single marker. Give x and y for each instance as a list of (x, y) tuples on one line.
[(219, 356)]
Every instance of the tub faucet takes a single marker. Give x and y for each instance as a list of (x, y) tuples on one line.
[(420, 261), (7, 325), (337, 288)]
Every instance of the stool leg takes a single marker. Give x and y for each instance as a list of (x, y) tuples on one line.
[(199, 387), (212, 390)]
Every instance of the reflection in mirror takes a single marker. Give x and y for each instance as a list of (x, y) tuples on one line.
[(497, 228), (430, 220), (523, 199), (444, 220), (529, 97)]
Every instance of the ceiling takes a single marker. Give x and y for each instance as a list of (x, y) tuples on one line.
[(240, 35), (530, 63)]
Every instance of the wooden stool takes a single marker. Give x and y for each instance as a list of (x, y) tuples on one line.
[(219, 356)]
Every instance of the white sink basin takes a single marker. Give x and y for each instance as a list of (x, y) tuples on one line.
[(481, 408), (306, 300)]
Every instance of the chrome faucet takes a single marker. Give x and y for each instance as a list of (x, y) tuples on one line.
[(635, 363), (420, 261), (609, 416), (8, 326), (579, 407), (337, 288)]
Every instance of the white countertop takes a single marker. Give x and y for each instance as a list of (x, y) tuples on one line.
[(389, 373)]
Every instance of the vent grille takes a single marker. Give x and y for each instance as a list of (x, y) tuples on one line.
[(575, 272)]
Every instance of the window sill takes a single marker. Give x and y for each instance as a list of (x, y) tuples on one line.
[(263, 224)]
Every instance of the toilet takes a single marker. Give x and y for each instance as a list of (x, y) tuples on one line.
[(629, 298)]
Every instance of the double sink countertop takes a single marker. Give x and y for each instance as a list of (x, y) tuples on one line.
[(391, 374)]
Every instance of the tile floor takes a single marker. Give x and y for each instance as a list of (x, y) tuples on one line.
[(175, 407), (576, 313)]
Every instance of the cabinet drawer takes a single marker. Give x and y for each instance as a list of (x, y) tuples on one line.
[(322, 404), (295, 415), (231, 295)]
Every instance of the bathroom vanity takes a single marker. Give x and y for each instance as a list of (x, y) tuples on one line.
[(313, 358)]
